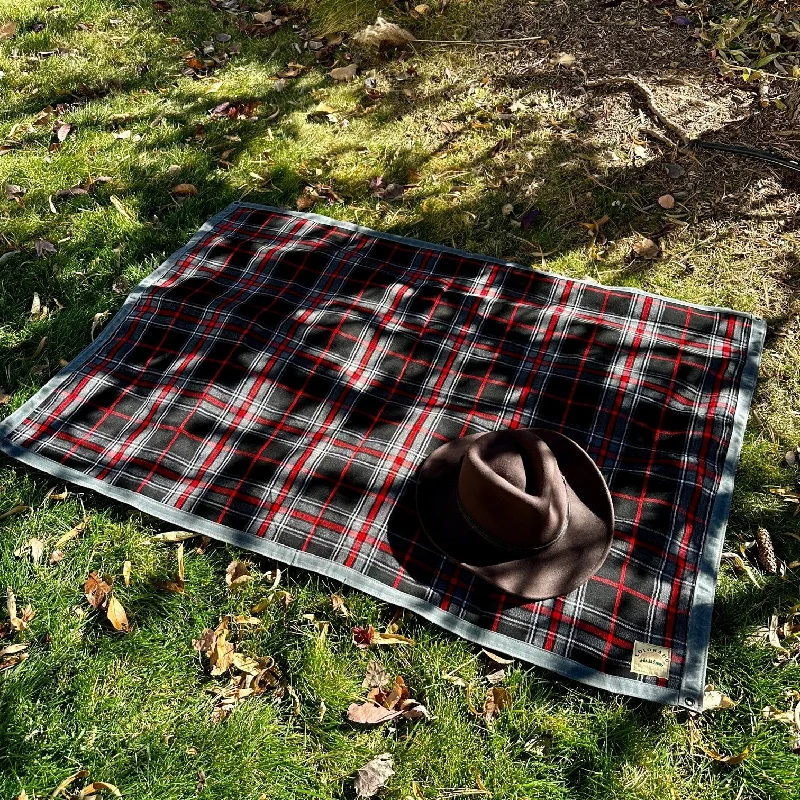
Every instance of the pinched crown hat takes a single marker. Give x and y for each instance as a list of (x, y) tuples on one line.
[(527, 510)]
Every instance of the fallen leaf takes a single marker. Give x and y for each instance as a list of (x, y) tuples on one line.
[(71, 534), (362, 637), (383, 33), (5, 397), (390, 638), (563, 60), (14, 510), (174, 536), (97, 320), (376, 676), (79, 775), (33, 547), (666, 201), (647, 248), (61, 131), (370, 713), (714, 700), (56, 556), (14, 192), (237, 574), (496, 676), (220, 658), (344, 73), (74, 191), (13, 649), (184, 190), (162, 5), (373, 775), (7, 30), (502, 660), (96, 590), (731, 761), (263, 17), (93, 788), (126, 573), (497, 698), (338, 605), (43, 247)]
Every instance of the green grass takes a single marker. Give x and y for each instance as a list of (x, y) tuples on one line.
[(133, 709)]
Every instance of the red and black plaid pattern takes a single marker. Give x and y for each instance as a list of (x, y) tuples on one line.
[(285, 377)]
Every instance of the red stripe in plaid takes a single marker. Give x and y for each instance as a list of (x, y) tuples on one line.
[(287, 376)]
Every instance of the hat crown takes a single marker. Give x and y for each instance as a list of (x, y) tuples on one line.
[(511, 491)]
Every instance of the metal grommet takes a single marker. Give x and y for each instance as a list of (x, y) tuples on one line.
[(689, 701)]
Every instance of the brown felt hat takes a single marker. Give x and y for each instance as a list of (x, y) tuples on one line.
[(527, 510)]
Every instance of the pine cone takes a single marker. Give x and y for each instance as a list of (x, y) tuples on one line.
[(766, 552)]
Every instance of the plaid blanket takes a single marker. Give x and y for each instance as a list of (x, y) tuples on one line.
[(278, 381)]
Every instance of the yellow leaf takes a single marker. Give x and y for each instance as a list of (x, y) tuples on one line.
[(93, 788), (713, 699), (338, 605), (15, 510), (237, 574), (126, 573), (180, 563), (390, 638), (174, 536), (116, 615), (731, 761), (71, 534)]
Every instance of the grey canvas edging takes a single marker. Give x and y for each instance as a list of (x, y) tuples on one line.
[(703, 602), (699, 623)]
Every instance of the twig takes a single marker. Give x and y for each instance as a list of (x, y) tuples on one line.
[(650, 101)]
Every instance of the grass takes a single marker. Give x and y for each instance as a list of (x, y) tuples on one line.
[(133, 709)]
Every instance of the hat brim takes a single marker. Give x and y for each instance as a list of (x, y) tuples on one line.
[(555, 571)]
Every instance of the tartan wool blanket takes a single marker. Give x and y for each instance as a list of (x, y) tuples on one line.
[(278, 381)]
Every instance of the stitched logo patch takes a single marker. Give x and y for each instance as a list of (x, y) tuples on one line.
[(650, 659)]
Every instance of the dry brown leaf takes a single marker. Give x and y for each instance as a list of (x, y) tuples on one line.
[(7, 30), (370, 713), (383, 33), (17, 623), (71, 534), (376, 676), (15, 510), (731, 761), (79, 775), (23, 795), (116, 615), (344, 73), (339, 606), (56, 556), (54, 495), (93, 788), (126, 573), (373, 775), (43, 247), (5, 397), (33, 547), (237, 575), (14, 649), (295, 699), (184, 190), (220, 657), (714, 700), (502, 660), (647, 248), (96, 590), (497, 698), (666, 201)]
